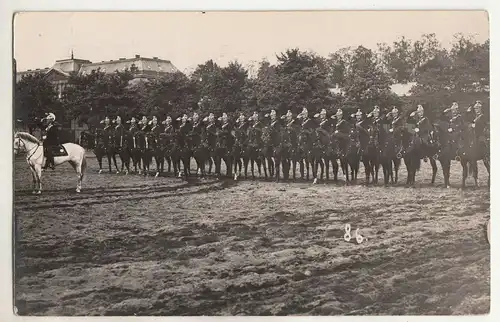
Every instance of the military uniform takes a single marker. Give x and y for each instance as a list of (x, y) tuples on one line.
[(197, 133), (255, 133), (52, 138), (479, 126), (240, 133), (425, 127), (119, 134), (133, 130)]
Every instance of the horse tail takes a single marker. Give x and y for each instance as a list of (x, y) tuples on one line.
[(417, 166)]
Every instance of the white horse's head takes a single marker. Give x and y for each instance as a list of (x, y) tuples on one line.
[(17, 143), (24, 141)]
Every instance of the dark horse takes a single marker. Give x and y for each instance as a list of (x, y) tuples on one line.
[(252, 150), (224, 146), (103, 146), (124, 145), (240, 141)]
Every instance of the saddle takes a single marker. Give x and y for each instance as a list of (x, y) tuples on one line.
[(57, 150)]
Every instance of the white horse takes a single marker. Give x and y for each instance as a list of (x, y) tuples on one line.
[(25, 142)]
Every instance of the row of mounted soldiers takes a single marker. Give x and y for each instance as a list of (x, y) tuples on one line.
[(312, 142)]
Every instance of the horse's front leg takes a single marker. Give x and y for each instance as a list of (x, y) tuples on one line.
[(109, 157), (465, 171), (263, 158), (277, 161), (115, 163), (434, 169), (38, 176), (335, 169)]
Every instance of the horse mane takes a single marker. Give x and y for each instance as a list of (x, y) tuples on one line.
[(28, 137)]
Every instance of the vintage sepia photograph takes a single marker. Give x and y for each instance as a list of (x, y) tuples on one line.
[(256, 163)]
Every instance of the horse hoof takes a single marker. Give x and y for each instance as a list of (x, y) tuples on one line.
[(100, 171), (38, 192), (33, 192), (157, 174), (78, 190), (235, 177), (315, 181), (117, 172)]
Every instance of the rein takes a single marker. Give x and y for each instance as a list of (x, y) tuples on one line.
[(27, 151)]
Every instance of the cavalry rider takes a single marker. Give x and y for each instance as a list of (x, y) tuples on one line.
[(377, 118), (255, 130), (108, 131), (155, 128), (307, 123), (211, 131), (397, 126), (456, 123), (50, 139), (288, 117), (224, 133), (423, 127), (169, 130), (240, 132), (290, 128), (274, 125), (184, 127), (119, 131), (341, 127), (197, 130), (144, 124), (479, 125), (361, 126), (324, 127), (361, 122), (133, 129)]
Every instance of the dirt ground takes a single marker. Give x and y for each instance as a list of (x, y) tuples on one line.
[(133, 245)]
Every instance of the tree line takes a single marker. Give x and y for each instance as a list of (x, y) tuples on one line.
[(352, 78)]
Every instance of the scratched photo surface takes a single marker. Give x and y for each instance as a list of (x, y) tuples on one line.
[(251, 163)]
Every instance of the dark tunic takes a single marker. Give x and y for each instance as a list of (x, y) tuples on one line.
[(52, 133), (255, 133), (425, 127), (133, 130), (119, 135), (240, 134), (224, 136), (480, 127), (108, 132)]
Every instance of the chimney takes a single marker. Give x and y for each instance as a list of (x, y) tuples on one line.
[(137, 56), (155, 57)]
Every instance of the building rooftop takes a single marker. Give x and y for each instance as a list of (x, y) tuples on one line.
[(144, 67)]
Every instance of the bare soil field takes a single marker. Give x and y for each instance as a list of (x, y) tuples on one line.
[(133, 245)]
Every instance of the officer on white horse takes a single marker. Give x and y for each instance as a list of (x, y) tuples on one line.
[(50, 139)]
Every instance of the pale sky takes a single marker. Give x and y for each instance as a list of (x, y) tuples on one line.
[(191, 38)]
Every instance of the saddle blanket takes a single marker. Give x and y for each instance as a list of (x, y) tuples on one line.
[(58, 151)]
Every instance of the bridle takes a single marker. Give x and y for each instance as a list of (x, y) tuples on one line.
[(21, 141)]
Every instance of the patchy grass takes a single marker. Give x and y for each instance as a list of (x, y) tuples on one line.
[(133, 245)]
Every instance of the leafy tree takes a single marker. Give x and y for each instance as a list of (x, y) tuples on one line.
[(35, 96), (363, 80), (299, 79), (172, 94), (461, 75), (92, 96), (403, 59), (222, 89)]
